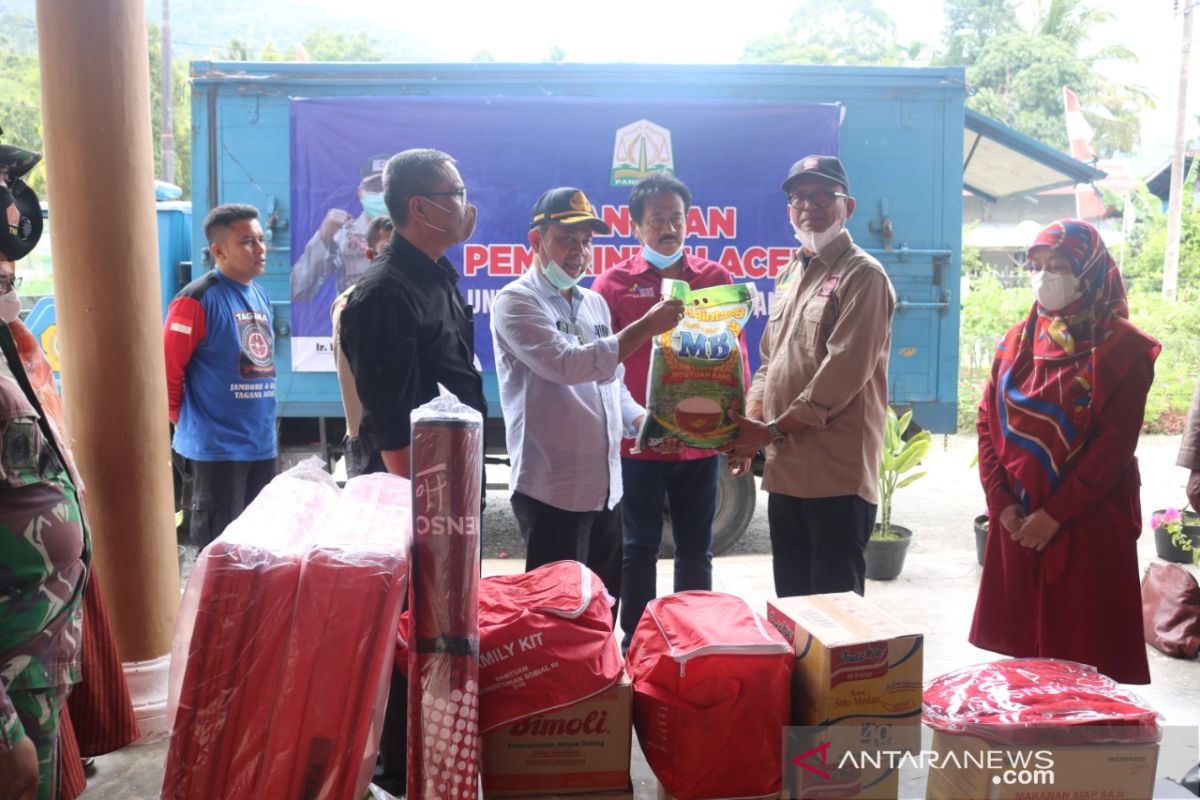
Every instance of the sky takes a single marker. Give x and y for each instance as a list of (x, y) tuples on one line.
[(660, 32)]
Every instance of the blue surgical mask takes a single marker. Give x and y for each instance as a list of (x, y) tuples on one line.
[(658, 260), (558, 277), (373, 204)]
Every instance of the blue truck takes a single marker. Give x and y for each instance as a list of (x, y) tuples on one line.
[(290, 139)]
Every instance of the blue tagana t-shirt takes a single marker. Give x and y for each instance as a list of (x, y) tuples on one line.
[(220, 351)]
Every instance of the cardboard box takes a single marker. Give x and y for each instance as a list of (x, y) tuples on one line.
[(853, 759), (852, 660), (581, 748), (970, 767)]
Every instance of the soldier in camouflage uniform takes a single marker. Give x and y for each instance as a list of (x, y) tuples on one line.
[(44, 548)]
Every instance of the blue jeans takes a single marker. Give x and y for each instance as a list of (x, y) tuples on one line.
[(690, 488)]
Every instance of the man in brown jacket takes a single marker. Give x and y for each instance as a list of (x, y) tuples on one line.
[(818, 402), (1189, 451)]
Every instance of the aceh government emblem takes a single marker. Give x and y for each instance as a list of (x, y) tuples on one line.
[(641, 149)]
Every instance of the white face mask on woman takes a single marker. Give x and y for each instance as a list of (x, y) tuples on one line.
[(1054, 291)]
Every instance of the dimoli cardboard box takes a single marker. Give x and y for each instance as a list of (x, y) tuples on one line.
[(580, 748), (852, 660), (971, 767)]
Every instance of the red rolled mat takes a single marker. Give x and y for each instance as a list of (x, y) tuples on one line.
[(443, 706)]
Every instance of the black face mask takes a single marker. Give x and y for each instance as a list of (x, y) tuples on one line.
[(20, 220)]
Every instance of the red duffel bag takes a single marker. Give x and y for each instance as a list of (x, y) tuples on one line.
[(711, 691), (545, 641)]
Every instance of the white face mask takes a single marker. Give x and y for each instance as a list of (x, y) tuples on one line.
[(1054, 290), (818, 241), (10, 306)]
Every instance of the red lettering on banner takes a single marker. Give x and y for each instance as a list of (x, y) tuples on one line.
[(475, 257), (722, 222), (752, 262), (501, 261), (523, 258), (777, 259), (618, 219), (732, 262), (699, 252)]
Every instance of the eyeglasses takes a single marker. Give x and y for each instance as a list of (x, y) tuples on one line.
[(659, 223), (461, 194), (820, 198), (8, 284)]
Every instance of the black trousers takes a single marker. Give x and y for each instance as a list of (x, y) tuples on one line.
[(552, 534), (220, 491), (818, 544)]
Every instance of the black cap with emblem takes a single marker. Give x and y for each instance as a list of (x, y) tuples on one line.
[(20, 213), (828, 167), (566, 205)]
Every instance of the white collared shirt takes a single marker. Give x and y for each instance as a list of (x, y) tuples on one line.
[(565, 404)]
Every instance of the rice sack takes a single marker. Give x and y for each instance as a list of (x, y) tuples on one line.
[(698, 370)]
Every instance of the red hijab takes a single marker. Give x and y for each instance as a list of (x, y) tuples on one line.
[(1054, 370)]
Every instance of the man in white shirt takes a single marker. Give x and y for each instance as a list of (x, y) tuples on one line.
[(565, 403)]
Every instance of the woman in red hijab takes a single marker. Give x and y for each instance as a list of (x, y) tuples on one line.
[(1058, 426)]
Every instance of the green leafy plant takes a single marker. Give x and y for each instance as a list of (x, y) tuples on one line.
[(900, 457)]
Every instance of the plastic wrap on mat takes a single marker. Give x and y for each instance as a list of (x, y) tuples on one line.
[(711, 691), (698, 369), (324, 734), (228, 646), (1026, 701), (295, 607), (545, 641), (443, 669)]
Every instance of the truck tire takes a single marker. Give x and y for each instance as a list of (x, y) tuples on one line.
[(735, 506)]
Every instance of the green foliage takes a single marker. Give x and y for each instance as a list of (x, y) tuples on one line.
[(181, 112), (21, 111), (1019, 74), (1148, 246), (855, 32), (324, 44), (989, 310), (971, 24), (900, 457)]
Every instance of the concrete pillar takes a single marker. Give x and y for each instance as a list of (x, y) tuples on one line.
[(100, 174)]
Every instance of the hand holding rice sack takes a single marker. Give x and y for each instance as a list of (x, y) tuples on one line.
[(697, 375)]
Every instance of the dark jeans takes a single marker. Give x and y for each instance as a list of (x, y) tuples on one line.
[(552, 534), (818, 544), (690, 490), (220, 491)]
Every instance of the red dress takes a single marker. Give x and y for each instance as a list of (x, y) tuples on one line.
[(1058, 426)]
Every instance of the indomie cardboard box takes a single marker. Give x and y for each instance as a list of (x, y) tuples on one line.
[(581, 748), (623, 794), (968, 766), (852, 660), (857, 758)]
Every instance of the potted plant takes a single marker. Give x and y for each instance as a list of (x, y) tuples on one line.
[(1177, 535), (889, 543)]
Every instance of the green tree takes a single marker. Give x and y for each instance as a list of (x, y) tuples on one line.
[(970, 25), (236, 50), (270, 52), (326, 45), (1019, 74), (181, 111), (556, 55), (20, 86), (855, 32)]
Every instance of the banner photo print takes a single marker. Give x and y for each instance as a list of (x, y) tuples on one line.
[(732, 155)]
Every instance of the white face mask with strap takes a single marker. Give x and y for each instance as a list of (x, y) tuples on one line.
[(1054, 291), (10, 305)]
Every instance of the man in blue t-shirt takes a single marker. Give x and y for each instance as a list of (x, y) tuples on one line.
[(220, 353)]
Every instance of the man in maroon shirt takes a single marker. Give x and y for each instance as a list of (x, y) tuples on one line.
[(686, 477)]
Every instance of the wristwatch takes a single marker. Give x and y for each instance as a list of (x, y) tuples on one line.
[(777, 436)]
